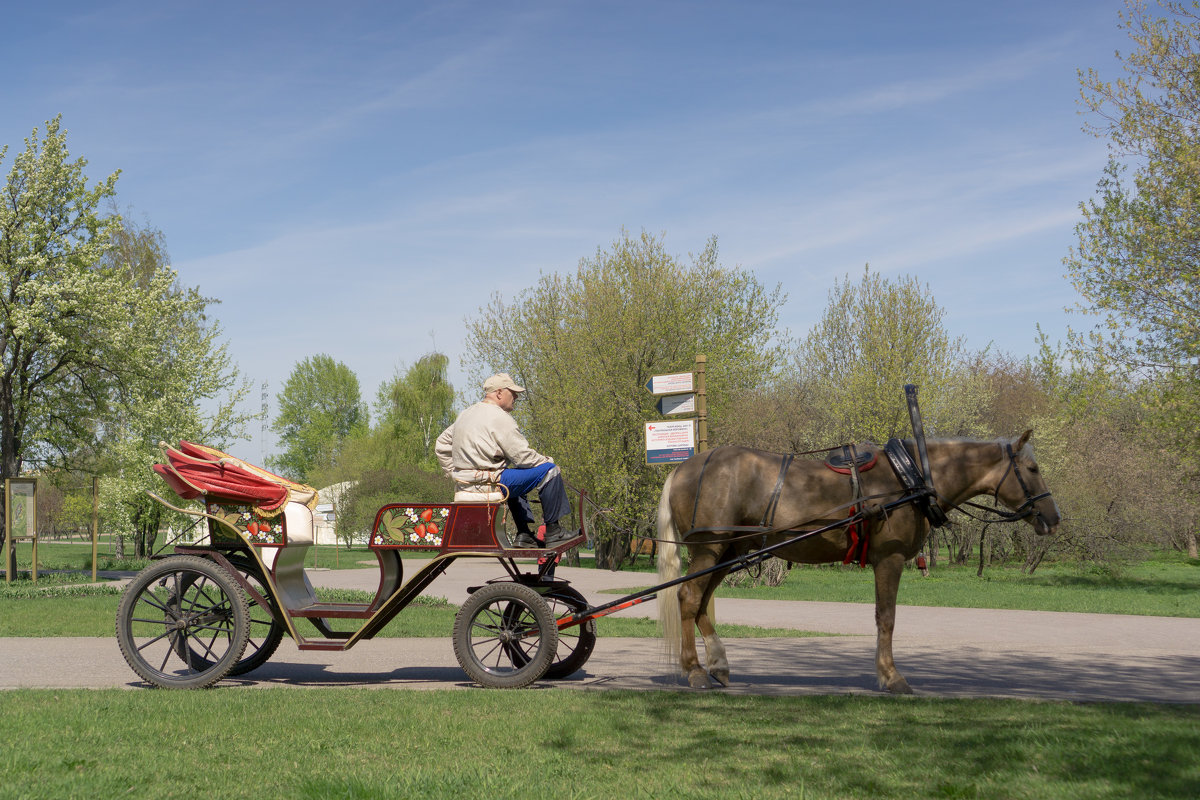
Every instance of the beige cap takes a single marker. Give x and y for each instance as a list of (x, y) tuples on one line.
[(501, 380)]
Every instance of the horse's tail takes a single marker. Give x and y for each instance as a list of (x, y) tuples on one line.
[(669, 568)]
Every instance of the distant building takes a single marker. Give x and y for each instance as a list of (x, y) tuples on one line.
[(325, 514)]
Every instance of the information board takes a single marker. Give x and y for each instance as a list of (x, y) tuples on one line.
[(676, 383), (670, 440)]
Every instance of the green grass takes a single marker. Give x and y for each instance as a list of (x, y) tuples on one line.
[(374, 743), (1164, 586), (26, 611), (1167, 586)]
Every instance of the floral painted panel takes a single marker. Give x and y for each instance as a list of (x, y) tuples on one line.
[(258, 529), (411, 526)]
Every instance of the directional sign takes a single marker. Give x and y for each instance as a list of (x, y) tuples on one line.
[(670, 441), (676, 404), (676, 383)]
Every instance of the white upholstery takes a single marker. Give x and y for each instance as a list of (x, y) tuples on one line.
[(288, 564), (300, 523), (463, 496)]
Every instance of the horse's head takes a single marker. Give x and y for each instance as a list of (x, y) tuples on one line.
[(1024, 490)]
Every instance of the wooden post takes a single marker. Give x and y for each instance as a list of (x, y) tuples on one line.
[(95, 524), (8, 559), (702, 442)]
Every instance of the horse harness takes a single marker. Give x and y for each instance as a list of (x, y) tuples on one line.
[(913, 480), (850, 461), (768, 517)]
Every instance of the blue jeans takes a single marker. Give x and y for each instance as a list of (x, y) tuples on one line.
[(547, 479)]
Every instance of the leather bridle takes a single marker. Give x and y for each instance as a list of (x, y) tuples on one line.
[(1026, 509)]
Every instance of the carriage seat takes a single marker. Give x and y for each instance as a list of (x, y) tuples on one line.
[(467, 496), (478, 486), (287, 563)]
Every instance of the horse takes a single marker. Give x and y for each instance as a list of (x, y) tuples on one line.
[(717, 492)]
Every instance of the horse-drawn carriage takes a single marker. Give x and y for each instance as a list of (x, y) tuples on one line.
[(221, 607)]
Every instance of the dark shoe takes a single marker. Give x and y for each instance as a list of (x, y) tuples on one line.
[(556, 535), (525, 541)]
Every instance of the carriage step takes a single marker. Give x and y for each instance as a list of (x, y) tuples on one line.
[(335, 610), (321, 644)]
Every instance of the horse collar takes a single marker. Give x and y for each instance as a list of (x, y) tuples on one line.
[(913, 481)]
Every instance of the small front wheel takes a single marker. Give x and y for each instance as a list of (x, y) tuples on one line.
[(182, 623), (505, 636)]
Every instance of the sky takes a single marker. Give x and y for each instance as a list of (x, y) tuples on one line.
[(358, 178)]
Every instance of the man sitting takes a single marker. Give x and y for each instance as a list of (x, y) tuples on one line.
[(484, 446)]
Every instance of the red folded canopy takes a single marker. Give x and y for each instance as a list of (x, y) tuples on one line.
[(195, 471)]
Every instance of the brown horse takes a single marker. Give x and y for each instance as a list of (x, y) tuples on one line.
[(731, 487)]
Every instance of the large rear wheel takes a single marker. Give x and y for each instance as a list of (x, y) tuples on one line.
[(575, 644), (265, 631), (182, 623), (505, 636)]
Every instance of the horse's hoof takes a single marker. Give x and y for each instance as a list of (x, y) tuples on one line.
[(699, 680), (898, 685), (721, 676)]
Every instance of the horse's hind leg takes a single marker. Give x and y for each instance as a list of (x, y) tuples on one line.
[(689, 659), (693, 596), (714, 649), (887, 584)]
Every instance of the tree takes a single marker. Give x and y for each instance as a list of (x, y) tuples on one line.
[(83, 343), (374, 488), (585, 344), (1136, 262), (195, 393), (319, 408), (415, 407), (875, 336)]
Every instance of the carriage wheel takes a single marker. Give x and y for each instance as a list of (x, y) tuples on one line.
[(505, 636), (177, 608), (265, 630), (575, 644)]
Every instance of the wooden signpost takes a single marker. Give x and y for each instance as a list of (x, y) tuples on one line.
[(672, 441)]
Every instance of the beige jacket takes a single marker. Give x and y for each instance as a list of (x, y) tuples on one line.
[(481, 443)]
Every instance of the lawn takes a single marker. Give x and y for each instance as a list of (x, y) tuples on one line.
[(67, 610), (1167, 585), (371, 743)]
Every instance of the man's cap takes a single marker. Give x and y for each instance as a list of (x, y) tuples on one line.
[(501, 380)]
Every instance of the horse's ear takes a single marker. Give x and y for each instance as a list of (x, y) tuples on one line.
[(1023, 440)]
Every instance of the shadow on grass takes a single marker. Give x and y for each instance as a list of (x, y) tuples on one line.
[(861, 746), (1114, 583)]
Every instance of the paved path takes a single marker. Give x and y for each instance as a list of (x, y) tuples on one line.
[(944, 652)]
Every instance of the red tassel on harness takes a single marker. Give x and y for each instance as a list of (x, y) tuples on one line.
[(859, 541)]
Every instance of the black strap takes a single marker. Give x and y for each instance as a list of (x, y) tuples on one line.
[(768, 518), (699, 483)]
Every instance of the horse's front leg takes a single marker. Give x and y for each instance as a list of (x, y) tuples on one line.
[(887, 584)]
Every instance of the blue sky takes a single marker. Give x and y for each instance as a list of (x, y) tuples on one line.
[(355, 178)]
